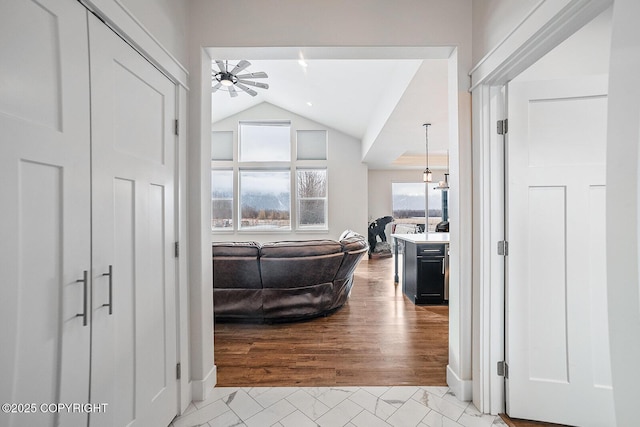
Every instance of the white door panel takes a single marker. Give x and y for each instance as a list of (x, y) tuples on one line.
[(45, 193), (557, 340), (133, 154)]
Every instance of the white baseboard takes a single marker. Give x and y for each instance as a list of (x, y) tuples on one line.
[(463, 389), (201, 389)]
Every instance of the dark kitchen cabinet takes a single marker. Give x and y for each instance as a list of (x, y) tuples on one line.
[(425, 271)]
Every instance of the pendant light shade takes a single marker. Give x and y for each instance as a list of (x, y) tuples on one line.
[(426, 175)]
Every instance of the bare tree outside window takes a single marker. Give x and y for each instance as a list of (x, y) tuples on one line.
[(312, 198)]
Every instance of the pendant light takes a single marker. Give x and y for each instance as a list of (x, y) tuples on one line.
[(426, 175)]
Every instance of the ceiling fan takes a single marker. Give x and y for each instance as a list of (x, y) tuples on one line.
[(228, 79)]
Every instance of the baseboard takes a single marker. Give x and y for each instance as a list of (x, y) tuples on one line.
[(201, 389), (463, 389)]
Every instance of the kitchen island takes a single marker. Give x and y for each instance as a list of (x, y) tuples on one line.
[(425, 267)]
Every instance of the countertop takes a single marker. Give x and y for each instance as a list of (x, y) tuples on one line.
[(423, 237)]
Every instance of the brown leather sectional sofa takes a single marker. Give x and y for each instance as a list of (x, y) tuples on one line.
[(283, 281)]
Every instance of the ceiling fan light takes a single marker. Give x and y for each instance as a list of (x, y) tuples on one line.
[(226, 82)]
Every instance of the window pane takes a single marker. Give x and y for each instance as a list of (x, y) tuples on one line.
[(312, 144), (265, 142), (221, 199), (312, 183), (408, 200), (312, 198), (408, 203), (312, 213), (265, 200), (221, 145)]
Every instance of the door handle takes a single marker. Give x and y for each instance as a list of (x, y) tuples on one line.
[(443, 266), (110, 303), (84, 281)]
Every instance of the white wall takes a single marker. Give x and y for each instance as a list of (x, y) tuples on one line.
[(347, 178), (586, 52), (493, 20), (166, 20)]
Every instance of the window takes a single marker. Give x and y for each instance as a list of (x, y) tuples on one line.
[(312, 198), (312, 144), (409, 203), (273, 182), (221, 199), (265, 200), (265, 141), (408, 200), (222, 145)]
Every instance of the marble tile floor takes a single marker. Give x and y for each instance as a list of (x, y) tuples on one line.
[(396, 406)]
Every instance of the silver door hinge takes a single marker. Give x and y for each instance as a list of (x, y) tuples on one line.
[(503, 126), (178, 371), (503, 248), (503, 369), (176, 127), (176, 249)]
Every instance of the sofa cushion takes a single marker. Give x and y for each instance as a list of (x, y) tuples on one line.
[(292, 249), (353, 243), (235, 249), (236, 265)]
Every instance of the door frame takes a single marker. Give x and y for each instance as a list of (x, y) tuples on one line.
[(547, 25)]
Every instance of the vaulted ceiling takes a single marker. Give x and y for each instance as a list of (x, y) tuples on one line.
[(381, 97)]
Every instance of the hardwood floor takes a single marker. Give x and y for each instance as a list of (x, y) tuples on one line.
[(514, 422), (378, 338)]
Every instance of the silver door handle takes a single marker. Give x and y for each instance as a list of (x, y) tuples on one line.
[(430, 250), (84, 281), (443, 266), (110, 303)]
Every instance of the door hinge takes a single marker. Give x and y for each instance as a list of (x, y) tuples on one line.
[(176, 249), (503, 248), (503, 369), (503, 126), (176, 126), (178, 371)]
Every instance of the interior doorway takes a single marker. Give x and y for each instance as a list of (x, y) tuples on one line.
[(249, 53)]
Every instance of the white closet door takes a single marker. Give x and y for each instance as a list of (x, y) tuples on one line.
[(44, 209), (133, 159), (557, 336)]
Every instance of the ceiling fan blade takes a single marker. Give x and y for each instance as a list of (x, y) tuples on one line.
[(258, 75), (241, 66), (216, 87), (255, 84), (232, 92), (221, 65), (246, 89)]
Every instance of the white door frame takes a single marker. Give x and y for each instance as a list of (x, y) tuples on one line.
[(623, 207), (548, 24)]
